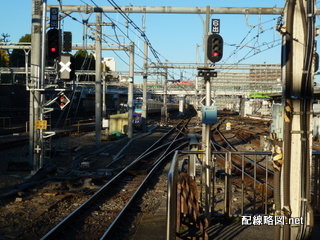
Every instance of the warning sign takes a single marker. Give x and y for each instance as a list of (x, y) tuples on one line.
[(41, 124)]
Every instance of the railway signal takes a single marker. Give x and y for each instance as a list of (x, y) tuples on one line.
[(63, 101), (215, 48), (53, 43), (67, 41)]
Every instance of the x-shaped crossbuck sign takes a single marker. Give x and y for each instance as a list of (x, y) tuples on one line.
[(65, 66)]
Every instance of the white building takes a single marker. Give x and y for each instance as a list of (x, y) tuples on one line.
[(110, 62)]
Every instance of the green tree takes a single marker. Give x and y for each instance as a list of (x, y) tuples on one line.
[(18, 55), (4, 54), (4, 58), (84, 60)]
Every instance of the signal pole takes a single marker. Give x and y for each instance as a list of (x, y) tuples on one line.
[(207, 128), (33, 85), (40, 139)]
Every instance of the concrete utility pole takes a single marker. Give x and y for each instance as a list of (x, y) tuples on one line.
[(130, 91), (98, 80), (144, 90), (104, 92), (298, 58), (164, 110)]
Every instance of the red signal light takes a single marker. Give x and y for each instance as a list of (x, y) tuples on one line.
[(53, 50), (62, 101), (215, 54)]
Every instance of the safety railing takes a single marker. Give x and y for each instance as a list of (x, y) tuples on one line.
[(237, 189), (247, 188), (259, 191)]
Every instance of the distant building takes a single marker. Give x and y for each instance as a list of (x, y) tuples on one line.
[(265, 77), (110, 62)]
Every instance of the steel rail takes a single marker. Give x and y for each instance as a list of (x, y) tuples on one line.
[(246, 158), (111, 228), (248, 174), (53, 232)]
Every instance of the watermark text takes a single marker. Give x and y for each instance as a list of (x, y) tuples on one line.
[(270, 220)]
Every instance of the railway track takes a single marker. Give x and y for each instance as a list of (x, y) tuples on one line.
[(244, 173), (243, 163), (9, 140), (5, 144), (230, 147), (101, 214)]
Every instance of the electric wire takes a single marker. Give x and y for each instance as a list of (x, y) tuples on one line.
[(114, 26), (102, 34), (137, 28), (156, 54), (255, 49), (142, 33)]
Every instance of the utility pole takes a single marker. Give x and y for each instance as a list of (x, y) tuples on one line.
[(164, 111), (130, 91), (144, 90), (104, 92), (98, 75), (298, 61), (98, 80)]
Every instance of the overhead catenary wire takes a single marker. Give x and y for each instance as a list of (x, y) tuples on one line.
[(155, 53), (137, 28), (255, 49), (104, 36), (261, 47)]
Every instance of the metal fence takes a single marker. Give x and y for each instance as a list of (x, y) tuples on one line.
[(240, 187)]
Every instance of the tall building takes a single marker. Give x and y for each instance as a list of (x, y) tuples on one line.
[(265, 77)]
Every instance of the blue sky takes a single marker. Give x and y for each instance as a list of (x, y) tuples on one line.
[(247, 39)]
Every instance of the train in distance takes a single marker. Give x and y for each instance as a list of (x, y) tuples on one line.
[(153, 107)]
